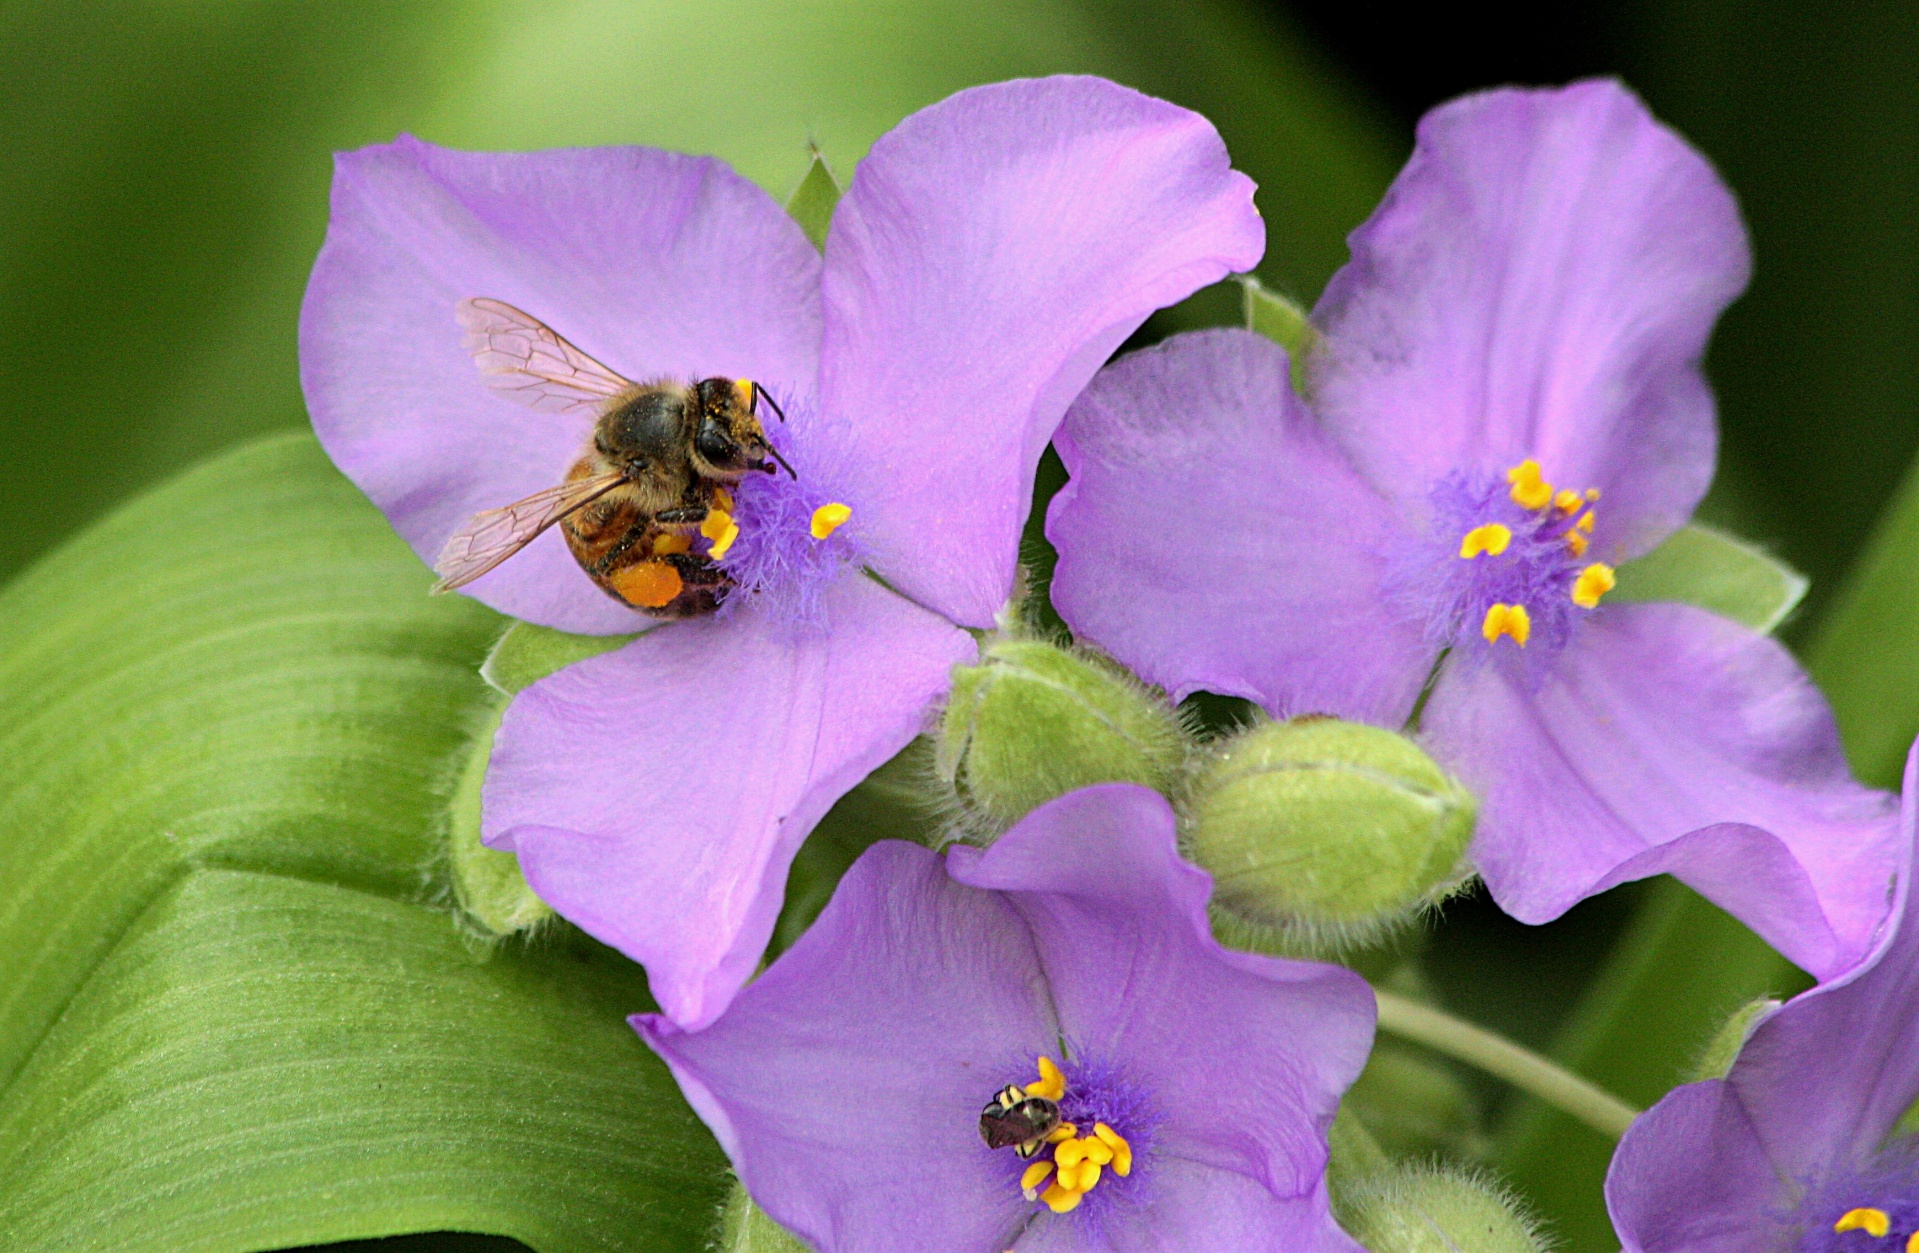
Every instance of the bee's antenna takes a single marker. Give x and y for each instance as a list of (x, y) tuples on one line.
[(759, 393), (775, 454)]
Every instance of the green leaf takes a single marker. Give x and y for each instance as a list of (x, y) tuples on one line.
[(813, 201), (1285, 323), (1865, 653), (235, 1017), (1698, 565), (528, 653)]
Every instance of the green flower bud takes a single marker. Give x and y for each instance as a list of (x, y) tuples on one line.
[(745, 1228), (1033, 721), (492, 894), (1434, 1209), (1325, 833), (1723, 1049)]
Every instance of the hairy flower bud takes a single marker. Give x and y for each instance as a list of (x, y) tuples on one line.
[(1434, 1209), (1723, 1049), (494, 899), (1325, 832), (745, 1228), (1033, 721)]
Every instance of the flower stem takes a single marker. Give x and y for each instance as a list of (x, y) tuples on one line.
[(1498, 1056)]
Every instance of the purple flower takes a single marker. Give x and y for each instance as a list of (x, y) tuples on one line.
[(1797, 1147), (1072, 960), (1505, 403), (991, 252)]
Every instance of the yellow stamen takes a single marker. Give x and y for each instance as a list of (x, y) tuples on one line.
[(1062, 1133), (670, 543), (1123, 1152), (1594, 581), (1491, 538), (1060, 1200), (1577, 542), (1912, 1243), (1586, 523), (1088, 1176), (1874, 1222), (722, 499), (1529, 489), (1069, 1178), (1052, 1081), (1034, 1176), (1512, 620), (1566, 500), (1070, 1154), (830, 518), (721, 529), (1097, 1152), (745, 388)]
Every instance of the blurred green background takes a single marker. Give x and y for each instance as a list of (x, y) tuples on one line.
[(164, 191)]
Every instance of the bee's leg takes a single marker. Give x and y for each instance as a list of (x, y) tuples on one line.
[(688, 516), (697, 571), (621, 547)]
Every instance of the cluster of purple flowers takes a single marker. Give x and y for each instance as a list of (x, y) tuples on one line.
[(1502, 403)]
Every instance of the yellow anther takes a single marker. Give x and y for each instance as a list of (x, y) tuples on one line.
[(1592, 493), (745, 389), (1585, 523), (1566, 500), (1069, 1178), (828, 519), (1070, 1154), (1491, 538), (1873, 1222), (1123, 1152), (1510, 620), (670, 543), (1593, 582), (1529, 489), (1060, 1200), (1577, 542), (721, 529), (722, 499), (1052, 1082), (1062, 1133), (1912, 1243), (1097, 1152), (1088, 1175), (1032, 1178)]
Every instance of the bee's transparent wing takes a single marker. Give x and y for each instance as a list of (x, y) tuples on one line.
[(491, 537), (523, 358)]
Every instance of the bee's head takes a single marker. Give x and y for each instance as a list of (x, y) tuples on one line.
[(729, 440)]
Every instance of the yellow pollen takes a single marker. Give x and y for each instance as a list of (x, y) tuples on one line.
[(745, 388), (1577, 542), (671, 543), (722, 499), (1873, 1222), (1034, 1176), (1122, 1151), (1530, 491), (721, 529), (1069, 1154), (1511, 620), (1593, 582), (1586, 523), (829, 518), (1052, 1082), (1491, 538), (1061, 1200), (1566, 500), (1912, 1243)]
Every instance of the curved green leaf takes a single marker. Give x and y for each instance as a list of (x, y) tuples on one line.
[(1700, 565), (236, 1016)]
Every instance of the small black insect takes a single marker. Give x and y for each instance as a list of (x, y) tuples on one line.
[(1017, 1121)]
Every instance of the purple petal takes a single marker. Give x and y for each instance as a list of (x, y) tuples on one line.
[(1690, 1176), (1212, 538), (846, 1082), (656, 794), (1815, 1090), (1655, 722), (992, 251), (1539, 282), (653, 263), (907, 1005), (1122, 930)]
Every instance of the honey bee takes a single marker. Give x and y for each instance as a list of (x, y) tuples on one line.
[(1014, 1120), (656, 470)]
